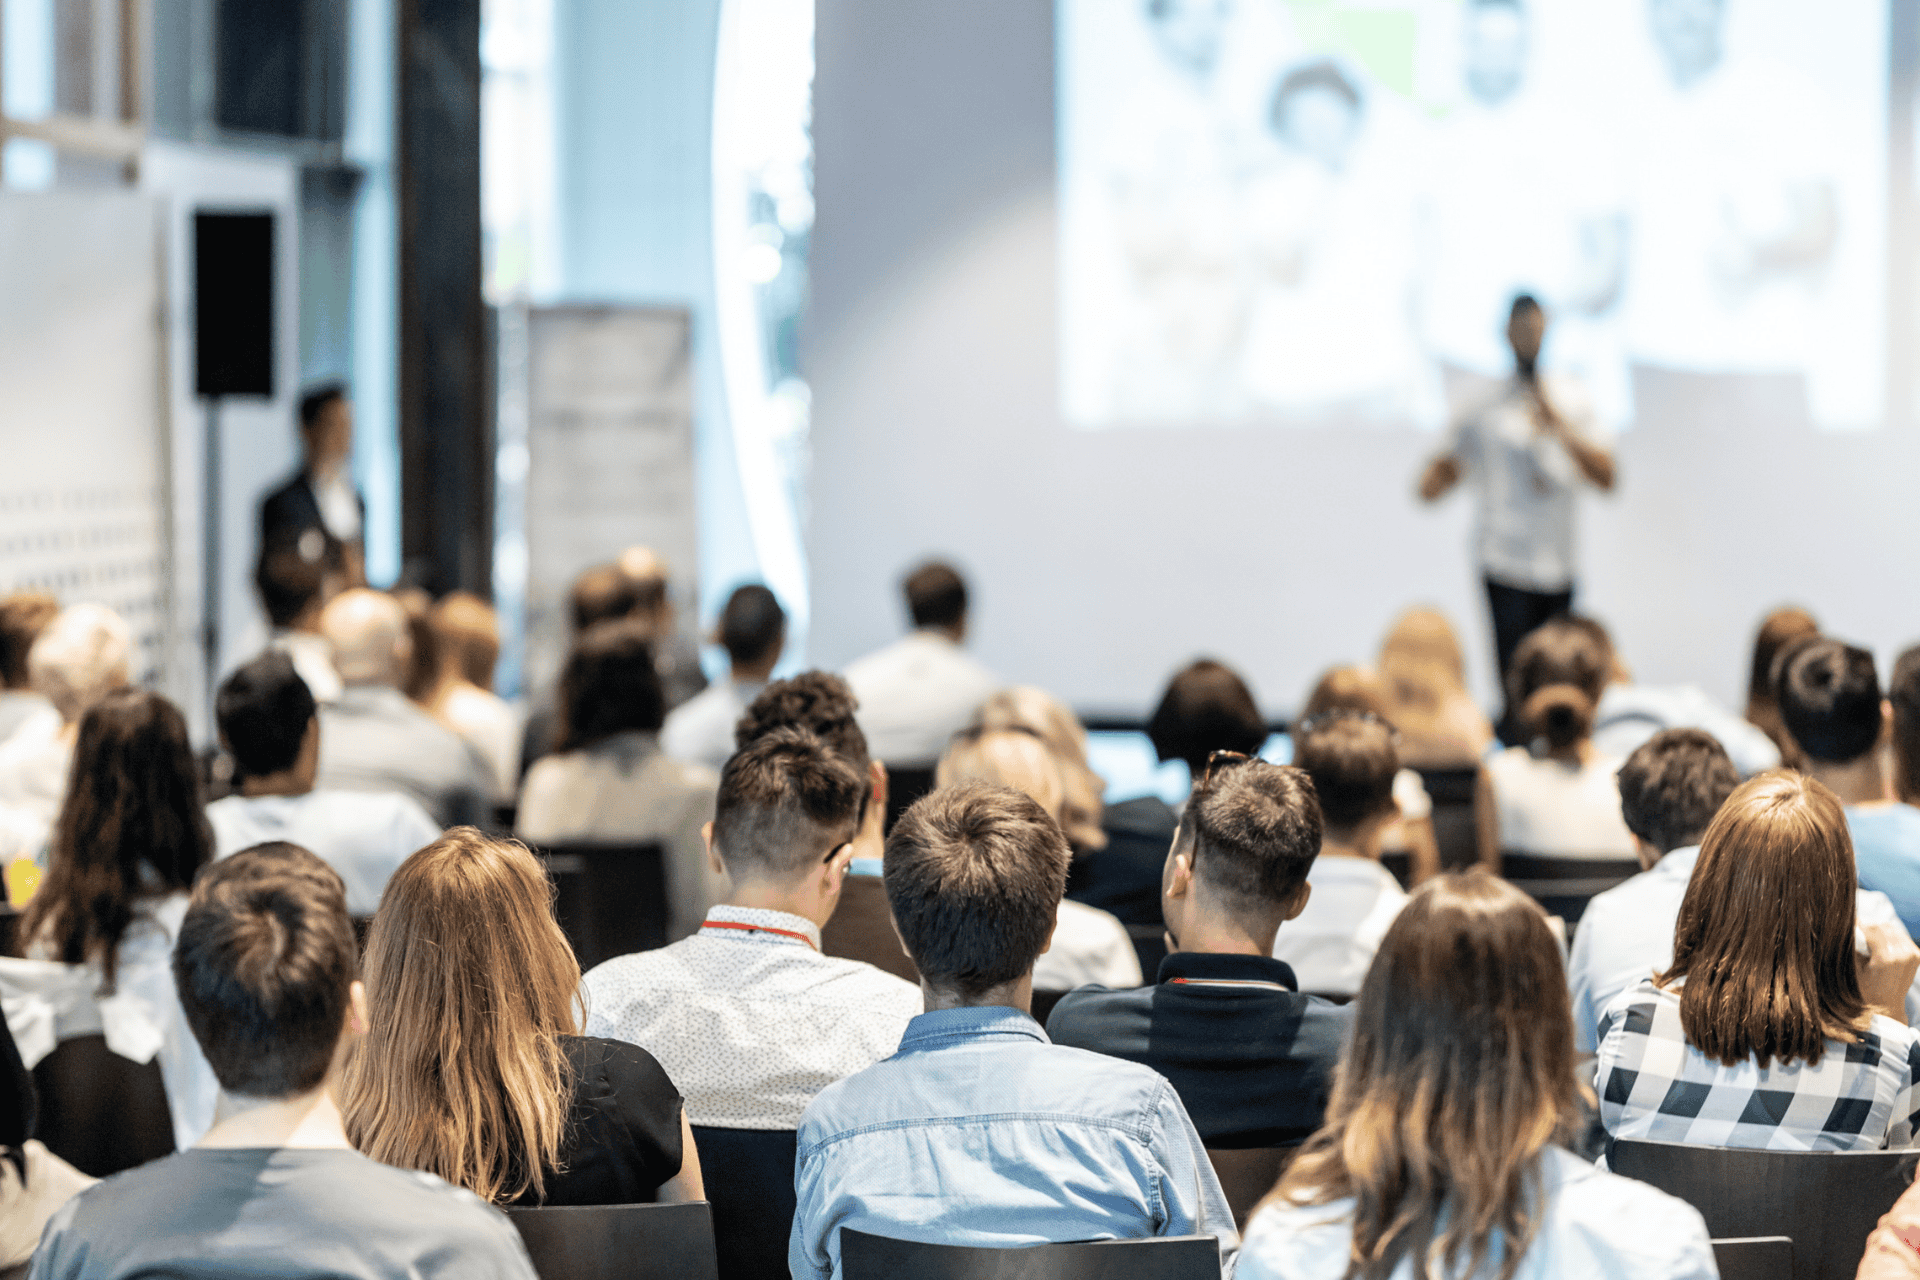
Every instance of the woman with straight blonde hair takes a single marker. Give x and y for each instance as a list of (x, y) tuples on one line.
[(473, 1067), (1440, 1157), (1425, 675), (1773, 1027)]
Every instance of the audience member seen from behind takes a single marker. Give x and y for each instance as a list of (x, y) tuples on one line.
[(130, 839), (1251, 1058), (978, 1131), (487, 1081), (821, 703), (1778, 630), (749, 1019), (23, 616), (270, 726), (372, 738), (1424, 676), (1829, 696), (1356, 690), (79, 658), (1629, 713), (676, 656), (1445, 1138), (1767, 998), (1089, 945), (294, 588), (753, 630), (604, 593), (1556, 797), (466, 636), (1206, 708), (34, 1182), (1350, 757), (609, 781), (266, 971), (922, 689)]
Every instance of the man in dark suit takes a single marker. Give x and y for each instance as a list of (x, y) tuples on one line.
[(320, 502)]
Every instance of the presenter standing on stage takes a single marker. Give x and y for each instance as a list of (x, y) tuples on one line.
[(1526, 452)]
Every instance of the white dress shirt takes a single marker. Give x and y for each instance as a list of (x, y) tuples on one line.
[(1626, 935), (34, 764), (749, 1020), (339, 504), (488, 724), (915, 694), (1330, 944), (626, 789), (1089, 945), (364, 835), (1629, 714), (1553, 809), (1593, 1226), (22, 707), (1525, 481), (700, 730), (47, 1002)]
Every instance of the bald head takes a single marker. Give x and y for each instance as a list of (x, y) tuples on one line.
[(1006, 758), (368, 631)]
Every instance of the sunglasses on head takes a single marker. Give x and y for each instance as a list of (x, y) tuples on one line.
[(1337, 715)]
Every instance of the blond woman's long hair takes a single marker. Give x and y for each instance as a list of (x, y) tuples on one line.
[(470, 986), (1459, 1076), (1039, 712)]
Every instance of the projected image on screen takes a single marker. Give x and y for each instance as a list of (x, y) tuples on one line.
[(1318, 211)]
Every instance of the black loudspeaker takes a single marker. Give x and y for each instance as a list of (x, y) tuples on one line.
[(233, 304)]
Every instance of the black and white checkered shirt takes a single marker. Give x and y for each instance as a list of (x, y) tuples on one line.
[(1654, 1085)]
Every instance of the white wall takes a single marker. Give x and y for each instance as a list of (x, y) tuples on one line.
[(1103, 560)]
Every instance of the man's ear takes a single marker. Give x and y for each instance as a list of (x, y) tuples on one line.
[(1178, 880), (714, 863), (898, 937), (1299, 902), (833, 872), (877, 780), (1051, 932)]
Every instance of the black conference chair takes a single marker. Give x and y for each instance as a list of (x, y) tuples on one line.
[(1755, 1258), (100, 1112), (904, 786), (1043, 1002), (1399, 865), (1246, 1174), (1150, 944), (1451, 791), (1564, 886), (865, 1257), (862, 929), (749, 1179), (619, 1241), (611, 899), (1826, 1202)]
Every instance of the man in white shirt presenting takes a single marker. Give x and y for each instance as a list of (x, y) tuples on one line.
[(1526, 454), (919, 691)]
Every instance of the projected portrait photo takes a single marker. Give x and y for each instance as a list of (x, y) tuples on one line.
[(1316, 212)]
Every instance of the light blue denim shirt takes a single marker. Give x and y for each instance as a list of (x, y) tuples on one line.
[(981, 1131)]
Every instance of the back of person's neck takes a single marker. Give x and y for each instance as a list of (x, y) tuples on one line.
[(1362, 842), (308, 1120), (952, 635), (1222, 934), (791, 899), (753, 672), (1017, 994), (1855, 782), (287, 782)]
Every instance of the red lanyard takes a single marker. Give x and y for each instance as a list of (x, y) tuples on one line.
[(759, 928)]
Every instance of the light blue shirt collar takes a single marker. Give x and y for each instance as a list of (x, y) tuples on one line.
[(1679, 864), (943, 1027)]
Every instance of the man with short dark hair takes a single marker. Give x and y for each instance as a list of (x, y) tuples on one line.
[(267, 969), (1352, 761), (1252, 1058), (1829, 697), (1670, 790), (747, 1016), (920, 690), (295, 584), (753, 630), (320, 503), (979, 1131), (270, 726)]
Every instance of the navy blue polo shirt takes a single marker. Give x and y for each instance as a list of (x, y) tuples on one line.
[(1251, 1058)]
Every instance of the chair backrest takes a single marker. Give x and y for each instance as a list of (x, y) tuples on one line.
[(619, 1241), (1826, 1202), (904, 786), (611, 899), (1754, 1258), (1246, 1174), (1451, 791), (1564, 886), (749, 1179), (865, 1257), (1043, 1002), (862, 929), (100, 1112)]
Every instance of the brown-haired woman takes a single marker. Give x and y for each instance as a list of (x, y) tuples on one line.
[(1425, 674), (1778, 631), (1769, 1029), (1440, 1155), (131, 836), (473, 1067), (1555, 797)]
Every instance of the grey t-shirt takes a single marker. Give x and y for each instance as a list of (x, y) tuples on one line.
[(278, 1213)]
